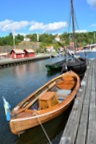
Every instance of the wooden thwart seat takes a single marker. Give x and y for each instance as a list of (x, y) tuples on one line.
[(62, 94), (47, 100)]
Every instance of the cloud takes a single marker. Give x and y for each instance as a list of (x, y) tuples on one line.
[(92, 3), (9, 25), (36, 26), (51, 27), (81, 31)]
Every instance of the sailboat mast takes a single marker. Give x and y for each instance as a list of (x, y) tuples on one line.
[(73, 26)]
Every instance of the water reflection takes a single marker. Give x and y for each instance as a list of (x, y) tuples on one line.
[(16, 83)]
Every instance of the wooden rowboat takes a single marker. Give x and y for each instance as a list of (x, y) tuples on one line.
[(46, 103)]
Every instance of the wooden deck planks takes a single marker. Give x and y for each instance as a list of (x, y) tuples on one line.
[(91, 137), (82, 128), (81, 125)]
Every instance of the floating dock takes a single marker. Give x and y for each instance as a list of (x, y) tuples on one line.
[(81, 124)]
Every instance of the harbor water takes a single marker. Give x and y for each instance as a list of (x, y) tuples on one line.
[(19, 81), (16, 83)]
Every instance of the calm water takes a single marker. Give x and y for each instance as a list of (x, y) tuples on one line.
[(15, 84), (19, 81)]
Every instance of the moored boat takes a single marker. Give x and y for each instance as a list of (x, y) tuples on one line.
[(78, 65), (46, 103)]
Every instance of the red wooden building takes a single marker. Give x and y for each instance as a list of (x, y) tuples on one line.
[(29, 52), (17, 53)]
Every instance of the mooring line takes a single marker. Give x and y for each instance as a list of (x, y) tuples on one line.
[(44, 130)]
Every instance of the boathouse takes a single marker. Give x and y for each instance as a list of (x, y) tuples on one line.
[(29, 53), (17, 53)]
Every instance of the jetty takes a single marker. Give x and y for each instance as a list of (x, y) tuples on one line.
[(81, 124), (12, 62)]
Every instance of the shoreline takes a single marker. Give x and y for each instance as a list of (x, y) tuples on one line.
[(6, 62)]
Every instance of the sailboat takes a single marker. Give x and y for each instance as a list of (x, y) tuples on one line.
[(75, 64)]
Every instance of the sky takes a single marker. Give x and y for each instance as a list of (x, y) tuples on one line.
[(46, 16)]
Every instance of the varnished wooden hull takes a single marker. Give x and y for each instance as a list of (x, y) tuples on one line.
[(52, 128), (26, 118), (26, 123)]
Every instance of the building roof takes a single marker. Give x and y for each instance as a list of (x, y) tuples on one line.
[(29, 50), (1, 54), (49, 47), (18, 51)]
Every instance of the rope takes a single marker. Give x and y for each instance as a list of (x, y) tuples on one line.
[(44, 130)]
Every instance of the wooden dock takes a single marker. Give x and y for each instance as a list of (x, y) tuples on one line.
[(81, 124), (13, 62)]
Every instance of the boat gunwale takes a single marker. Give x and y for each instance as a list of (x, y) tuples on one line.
[(55, 108)]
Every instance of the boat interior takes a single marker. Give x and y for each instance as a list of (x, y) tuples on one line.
[(51, 95), (58, 91)]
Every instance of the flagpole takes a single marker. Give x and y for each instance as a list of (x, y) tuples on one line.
[(14, 43), (13, 38), (37, 41)]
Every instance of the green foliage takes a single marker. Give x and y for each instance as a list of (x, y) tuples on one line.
[(45, 39), (33, 37), (8, 40)]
